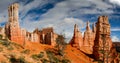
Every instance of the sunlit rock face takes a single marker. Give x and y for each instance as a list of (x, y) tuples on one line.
[(88, 40), (47, 36), (12, 28), (21, 36), (96, 41), (103, 47), (77, 40)]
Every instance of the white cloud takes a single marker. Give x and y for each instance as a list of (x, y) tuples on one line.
[(3, 10), (4, 4), (115, 39), (32, 5), (115, 29), (60, 17), (115, 2)]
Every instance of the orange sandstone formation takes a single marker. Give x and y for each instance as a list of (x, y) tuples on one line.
[(103, 47), (21, 36), (77, 40), (48, 36), (13, 30), (94, 30), (88, 40), (96, 41)]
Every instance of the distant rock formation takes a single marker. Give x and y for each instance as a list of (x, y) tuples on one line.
[(47, 36), (77, 40), (103, 47)]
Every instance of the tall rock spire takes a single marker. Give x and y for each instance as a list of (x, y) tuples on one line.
[(103, 47), (93, 28), (13, 12), (88, 39), (88, 26), (76, 28), (13, 28), (77, 40)]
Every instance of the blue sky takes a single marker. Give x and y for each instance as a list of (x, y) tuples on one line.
[(63, 14)]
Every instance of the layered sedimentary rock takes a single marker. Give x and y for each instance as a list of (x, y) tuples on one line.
[(21, 36), (47, 36), (96, 41), (94, 30), (88, 40), (103, 47), (13, 30), (77, 40)]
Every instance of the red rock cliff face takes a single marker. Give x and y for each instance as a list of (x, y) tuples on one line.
[(103, 47), (77, 40)]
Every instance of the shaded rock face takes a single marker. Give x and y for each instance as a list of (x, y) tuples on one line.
[(77, 40), (94, 30), (103, 47), (47, 36)]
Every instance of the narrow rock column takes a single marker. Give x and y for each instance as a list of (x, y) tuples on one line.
[(88, 39), (77, 40), (103, 47)]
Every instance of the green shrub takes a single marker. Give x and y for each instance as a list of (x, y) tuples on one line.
[(5, 43), (10, 48), (44, 60), (41, 54), (56, 60), (19, 60), (22, 60), (34, 56), (27, 51), (1, 49), (52, 57), (38, 56), (1, 36), (17, 45), (65, 61)]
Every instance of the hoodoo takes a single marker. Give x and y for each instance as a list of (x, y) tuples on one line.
[(77, 40), (12, 28), (88, 39), (103, 47)]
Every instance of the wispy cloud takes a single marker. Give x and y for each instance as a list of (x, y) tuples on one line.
[(3, 10), (117, 2), (115, 29), (62, 15), (115, 39)]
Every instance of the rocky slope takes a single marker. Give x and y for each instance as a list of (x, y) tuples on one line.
[(39, 53)]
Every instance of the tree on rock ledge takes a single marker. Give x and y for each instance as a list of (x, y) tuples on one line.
[(61, 44)]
